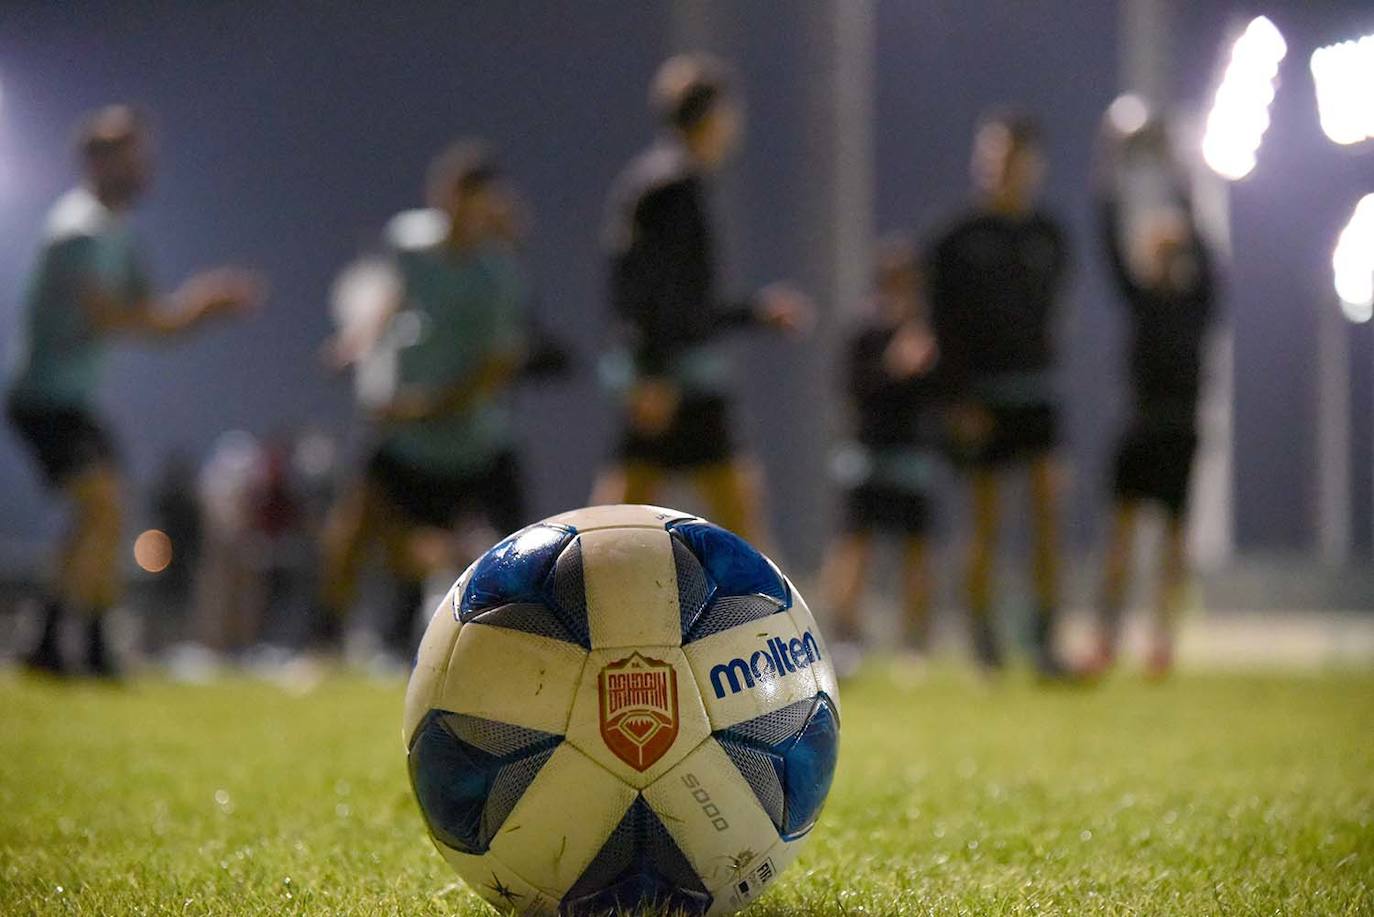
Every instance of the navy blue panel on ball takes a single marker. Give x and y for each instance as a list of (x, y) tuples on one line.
[(810, 766), (515, 570), (732, 565), (732, 569), (639, 868), (468, 773), (788, 759)]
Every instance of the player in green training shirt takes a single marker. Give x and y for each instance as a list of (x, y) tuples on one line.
[(88, 287), (449, 316)]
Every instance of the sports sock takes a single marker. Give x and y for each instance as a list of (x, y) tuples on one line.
[(99, 656), (47, 652)]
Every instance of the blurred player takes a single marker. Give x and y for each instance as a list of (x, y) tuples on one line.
[(995, 279), (1169, 286), (452, 321), (887, 468), (90, 286), (663, 291)]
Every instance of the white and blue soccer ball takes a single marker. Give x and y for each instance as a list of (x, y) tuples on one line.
[(621, 707)]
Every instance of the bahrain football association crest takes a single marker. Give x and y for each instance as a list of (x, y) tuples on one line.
[(638, 709)]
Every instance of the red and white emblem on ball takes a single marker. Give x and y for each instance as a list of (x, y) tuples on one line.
[(638, 709)]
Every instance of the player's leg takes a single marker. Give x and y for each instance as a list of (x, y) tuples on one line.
[(1044, 495), (733, 491), (406, 561), (916, 592), (846, 567), (1169, 603), (353, 526), (1116, 577), (630, 482), (985, 505), (88, 562)]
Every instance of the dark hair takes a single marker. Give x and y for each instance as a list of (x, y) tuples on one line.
[(109, 130), (687, 88), (1022, 129), (469, 164)]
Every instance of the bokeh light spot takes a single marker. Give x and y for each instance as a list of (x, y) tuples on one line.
[(153, 551)]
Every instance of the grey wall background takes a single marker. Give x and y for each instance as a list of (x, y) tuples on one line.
[(289, 133)]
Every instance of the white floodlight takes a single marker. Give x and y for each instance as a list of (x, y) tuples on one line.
[(1240, 109)]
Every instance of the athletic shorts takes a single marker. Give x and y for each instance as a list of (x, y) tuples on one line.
[(1018, 433), (883, 508), (698, 436), (64, 441), (1156, 465), (438, 499)]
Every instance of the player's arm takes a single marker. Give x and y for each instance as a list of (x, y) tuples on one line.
[(944, 286), (224, 291), (494, 373), (502, 329), (367, 296)]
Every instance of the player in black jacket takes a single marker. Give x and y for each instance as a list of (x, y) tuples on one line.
[(1170, 292), (670, 315), (887, 467), (995, 281)]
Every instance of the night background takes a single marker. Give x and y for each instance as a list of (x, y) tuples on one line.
[(289, 134), (228, 736)]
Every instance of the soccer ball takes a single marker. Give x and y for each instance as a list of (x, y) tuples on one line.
[(617, 708)]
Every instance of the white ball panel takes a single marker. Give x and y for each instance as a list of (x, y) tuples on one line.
[(431, 663), (498, 884), (513, 677), (752, 669), (752, 880), (587, 727), (591, 518), (631, 587), (712, 814), (562, 821), (823, 671)]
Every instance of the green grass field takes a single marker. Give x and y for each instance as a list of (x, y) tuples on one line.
[(1210, 794)]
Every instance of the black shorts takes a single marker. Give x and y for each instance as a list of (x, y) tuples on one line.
[(64, 441), (438, 500), (879, 507), (1018, 433), (1156, 465), (698, 436)]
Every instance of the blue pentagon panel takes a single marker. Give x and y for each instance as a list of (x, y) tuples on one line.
[(639, 868), (788, 759), (468, 774), (732, 569), (516, 570), (531, 582)]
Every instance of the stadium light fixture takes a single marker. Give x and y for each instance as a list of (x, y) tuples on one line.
[(1343, 74), (1353, 263), (1240, 109)]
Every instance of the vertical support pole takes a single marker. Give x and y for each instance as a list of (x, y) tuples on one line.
[(1333, 467), (838, 222)]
